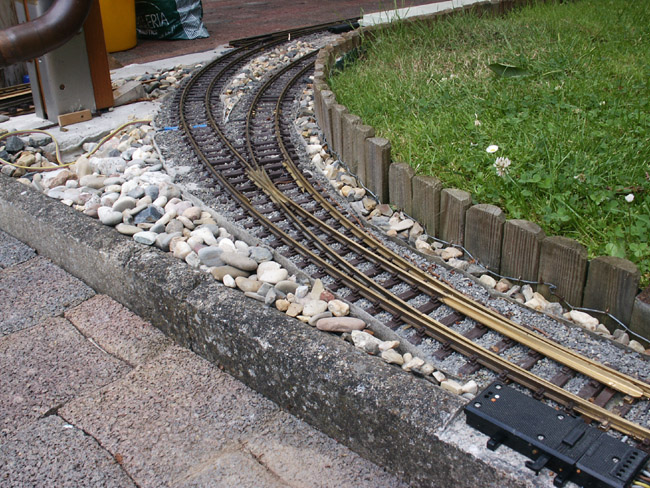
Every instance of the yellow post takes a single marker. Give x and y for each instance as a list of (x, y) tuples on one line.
[(118, 20)]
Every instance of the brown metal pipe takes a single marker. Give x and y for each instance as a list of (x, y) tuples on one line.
[(51, 30)]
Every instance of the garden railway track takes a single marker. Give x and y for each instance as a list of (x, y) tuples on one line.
[(16, 100), (253, 157)]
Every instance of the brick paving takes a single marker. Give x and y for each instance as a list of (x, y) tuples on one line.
[(93, 395)]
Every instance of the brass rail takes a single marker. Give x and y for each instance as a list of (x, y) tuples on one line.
[(413, 275), (372, 291)]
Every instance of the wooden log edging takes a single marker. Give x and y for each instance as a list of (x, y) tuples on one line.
[(516, 248)]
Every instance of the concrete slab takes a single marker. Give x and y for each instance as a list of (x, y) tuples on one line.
[(231, 467), (26, 300), (72, 137), (117, 330), (284, 439), (388, 16), (47, 365), (189, 422), (13, 252), (192, 59), (51, 452)]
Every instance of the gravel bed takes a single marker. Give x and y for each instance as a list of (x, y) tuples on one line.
[(567, 334)]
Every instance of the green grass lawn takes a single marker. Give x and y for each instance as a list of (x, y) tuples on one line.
[(570, 115)]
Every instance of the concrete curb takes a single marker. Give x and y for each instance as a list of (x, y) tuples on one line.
[(397, 420), (376, 169)]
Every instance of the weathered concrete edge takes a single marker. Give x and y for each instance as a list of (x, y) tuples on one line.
[(392, 418)]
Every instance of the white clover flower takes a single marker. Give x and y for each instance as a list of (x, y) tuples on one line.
[(492, 149), (501, 165), (629, 198)]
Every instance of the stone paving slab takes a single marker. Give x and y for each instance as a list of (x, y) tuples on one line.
[(51, 452), (284, 439), (117, 330), (13, 252), (34, 290), (188, 423), (47, 365), (230, 468)]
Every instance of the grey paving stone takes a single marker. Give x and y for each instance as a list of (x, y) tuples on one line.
[(117, 330), (47, 365), (228, 468), (35, 290), (13, 252), (51, 452), (189, 422), (285, 439)]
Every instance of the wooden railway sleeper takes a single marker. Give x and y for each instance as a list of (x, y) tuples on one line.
[(513, 373), (491, 319), (530, 359)]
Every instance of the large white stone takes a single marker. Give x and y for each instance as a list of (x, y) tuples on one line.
[(451, 252), (391, 356), (636, 346), (227, 245), (470, 387), (583, 319), (108, 216), (402, 225), (488, 281), (314, 307), (193, 259), (273, 276), (124, 203), (366, 342), (338, 308), (181, 250), (414, 363), (147, 238), (108, 166), (229, 281), (267, 266), (452, 386)]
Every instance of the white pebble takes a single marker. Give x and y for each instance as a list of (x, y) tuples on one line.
[(227, 245), (391, 356)]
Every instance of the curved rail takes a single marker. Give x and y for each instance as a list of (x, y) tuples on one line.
[(413, 275), (353, 278)]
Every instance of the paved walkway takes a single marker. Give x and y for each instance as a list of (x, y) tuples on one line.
[(226, 20), (93, 395)]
